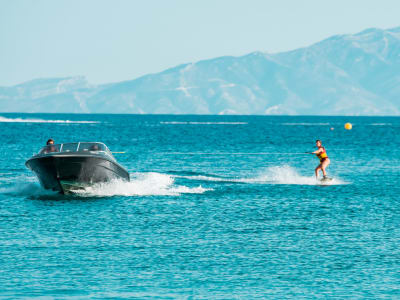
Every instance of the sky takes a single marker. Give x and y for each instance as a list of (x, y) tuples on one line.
[(110, 41)]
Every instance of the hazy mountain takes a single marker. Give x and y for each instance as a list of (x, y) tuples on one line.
[(342, 75)]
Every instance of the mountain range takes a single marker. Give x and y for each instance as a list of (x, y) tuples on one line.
[(343, 75)]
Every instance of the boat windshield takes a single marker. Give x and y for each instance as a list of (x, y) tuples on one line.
[(91, 147)]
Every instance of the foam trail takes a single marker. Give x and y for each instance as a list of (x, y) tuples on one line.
[(288, 175), (283, 175), (20, 120), (142, 184)]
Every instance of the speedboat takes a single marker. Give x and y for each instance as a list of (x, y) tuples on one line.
[(74, 166)]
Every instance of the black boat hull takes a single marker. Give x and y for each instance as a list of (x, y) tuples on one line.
[(66, 173)]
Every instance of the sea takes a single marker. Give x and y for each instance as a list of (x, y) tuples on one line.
[(218, 207)]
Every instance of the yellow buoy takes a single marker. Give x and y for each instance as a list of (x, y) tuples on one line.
[(348, 126)]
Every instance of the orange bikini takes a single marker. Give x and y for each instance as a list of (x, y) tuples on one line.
[(322, 156)]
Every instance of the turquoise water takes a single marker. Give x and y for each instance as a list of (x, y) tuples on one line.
[(218, 207)]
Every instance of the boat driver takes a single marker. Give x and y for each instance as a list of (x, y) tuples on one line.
[(94, 147), (50, 146)]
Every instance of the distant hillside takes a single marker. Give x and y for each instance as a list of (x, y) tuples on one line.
[(342, 75)]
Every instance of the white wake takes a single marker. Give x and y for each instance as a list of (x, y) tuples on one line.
[(20, 120), (142, 184)]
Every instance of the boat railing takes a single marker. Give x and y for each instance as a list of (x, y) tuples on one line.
[(90, 147)]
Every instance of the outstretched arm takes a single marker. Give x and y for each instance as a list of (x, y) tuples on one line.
[(316, 151)]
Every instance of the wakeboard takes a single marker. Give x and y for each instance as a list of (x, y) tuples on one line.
[(325, 179)]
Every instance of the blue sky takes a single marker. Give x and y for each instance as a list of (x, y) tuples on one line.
[(109, 41)]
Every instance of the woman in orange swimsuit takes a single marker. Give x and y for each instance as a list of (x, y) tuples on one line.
[(324, 160)]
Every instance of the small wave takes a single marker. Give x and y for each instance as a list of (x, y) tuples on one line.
[(272, 175), (204, 123), (143, 184), (305, 124), (381, 124), (207, 178), (25, 189), (20, 120)]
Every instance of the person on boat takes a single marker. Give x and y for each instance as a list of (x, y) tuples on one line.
[(324, 160), (94, 147), (50, 146)]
